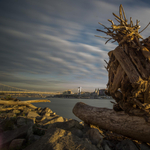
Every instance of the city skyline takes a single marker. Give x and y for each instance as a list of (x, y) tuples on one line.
[(51, 45)]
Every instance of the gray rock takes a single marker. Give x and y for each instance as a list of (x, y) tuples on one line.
[(51, 120), (32, 114), (1, 106), (144, 146), (8, 124), (59, 139), (40, 118), (126, 145), (86, 127), (29, 132), (65, 119), (21, 121), (16, 143), (16, 111), (109, 144), (32, 138), (67, 125), (36, 137), (10, 115), (106, 147), (14, 126), (9, 135), (52, 114), (46, 111), (3, 114), (77, 132), (26, 111), (38, 131), (95, 137), (71, 125), (39, 110)]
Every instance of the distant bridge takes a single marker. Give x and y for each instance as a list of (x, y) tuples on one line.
[(29, 92), (13, 90)]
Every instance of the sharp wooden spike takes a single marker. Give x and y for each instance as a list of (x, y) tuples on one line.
[(102, 37)]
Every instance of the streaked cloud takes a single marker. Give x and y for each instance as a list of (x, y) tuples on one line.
[(51, 44)]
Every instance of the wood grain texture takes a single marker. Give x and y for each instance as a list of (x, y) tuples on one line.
[(127, 65), (119, 122)]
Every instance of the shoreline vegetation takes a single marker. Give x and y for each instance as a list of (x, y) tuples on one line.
[(23, 127)]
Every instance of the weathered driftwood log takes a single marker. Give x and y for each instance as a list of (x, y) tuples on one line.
[(37, 101), (134, 127), (24, 103)]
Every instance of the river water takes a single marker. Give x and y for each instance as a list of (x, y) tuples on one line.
[(64, 106)]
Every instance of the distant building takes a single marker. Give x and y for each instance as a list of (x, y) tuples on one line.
[(102, 92), (68, 92), (86, 93), (99, 92), (79, 90)]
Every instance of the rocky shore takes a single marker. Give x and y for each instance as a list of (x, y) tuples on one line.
[(25, 128)]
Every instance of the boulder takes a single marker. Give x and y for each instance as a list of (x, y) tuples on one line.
[(32, 114), (16, 111), (9, 135), (39, 110), (7, 124), (21, 121), (36, 137), (26, 110), (76, 132), (106, 147), (40, 118), (67, 125), (38, 130), (1, 106), (29, 132), (86, 126), (57, 119), (126, 145), (51, 120), (72, 125), (46, 111), (32, 138), (59, 139), (10, 115), (144, 146), (95, 137), (52, 114), (3, 115), (16, 143), (109, 144)]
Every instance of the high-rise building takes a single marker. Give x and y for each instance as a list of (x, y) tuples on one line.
[(79, 90)]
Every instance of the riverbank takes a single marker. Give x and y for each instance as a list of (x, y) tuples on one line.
[(26, 128)]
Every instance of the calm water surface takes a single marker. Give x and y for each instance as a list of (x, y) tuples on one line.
[(64, 106)]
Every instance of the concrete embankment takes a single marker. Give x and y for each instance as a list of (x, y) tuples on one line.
[(25, 128)]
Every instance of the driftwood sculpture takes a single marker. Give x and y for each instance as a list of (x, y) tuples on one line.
[(129, 66), (128, 81)]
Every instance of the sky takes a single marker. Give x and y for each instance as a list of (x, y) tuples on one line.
[(50, 45)]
